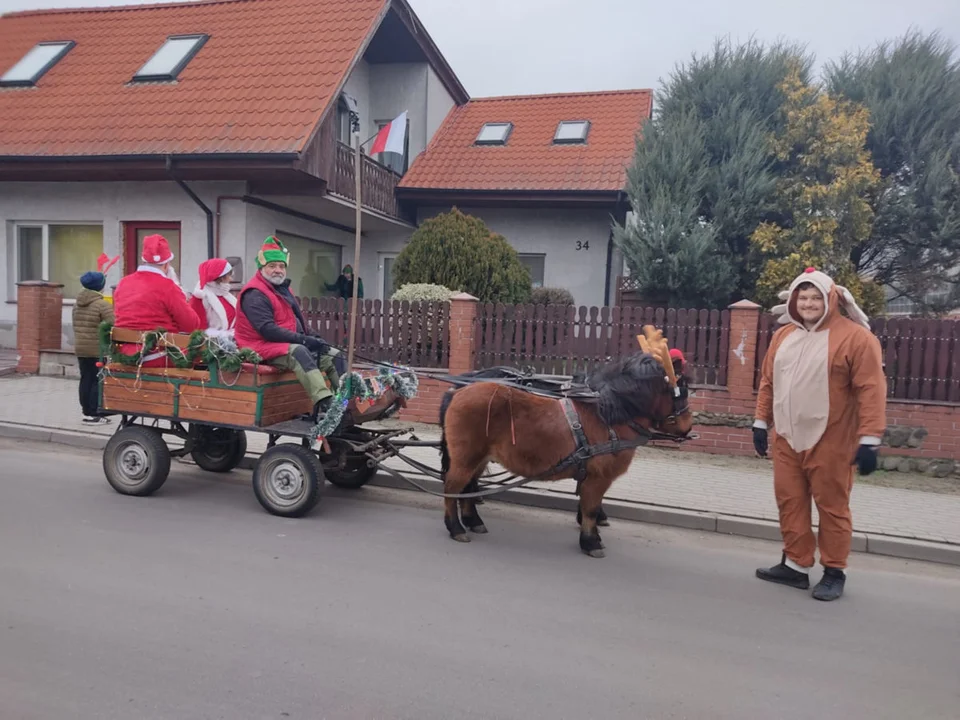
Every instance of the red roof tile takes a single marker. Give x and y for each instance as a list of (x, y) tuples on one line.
[(530, 160), (259, 85)]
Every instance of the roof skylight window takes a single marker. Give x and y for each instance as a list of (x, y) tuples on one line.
[(494, 134), (171, 58), (35, 63), (572, 131)]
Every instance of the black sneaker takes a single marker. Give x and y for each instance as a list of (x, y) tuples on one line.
[(831, 585), (784, 575)]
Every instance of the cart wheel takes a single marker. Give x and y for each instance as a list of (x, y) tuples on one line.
[(219, 450), (287, 480), (136, 461), (354, 476)]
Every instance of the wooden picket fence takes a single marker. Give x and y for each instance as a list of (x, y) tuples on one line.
[(568, 340), (411, 334), (921, 356)]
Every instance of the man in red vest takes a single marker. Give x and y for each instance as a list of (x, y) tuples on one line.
[(151, 298), (269, 321)]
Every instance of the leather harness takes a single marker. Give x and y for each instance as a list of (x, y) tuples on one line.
[(584, 450)]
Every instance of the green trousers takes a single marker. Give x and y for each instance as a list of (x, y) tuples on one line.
[(318, 375)]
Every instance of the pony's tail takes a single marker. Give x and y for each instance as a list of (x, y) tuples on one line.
[(444, 452)]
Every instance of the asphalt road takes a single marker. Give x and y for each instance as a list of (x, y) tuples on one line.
[(197, 604)]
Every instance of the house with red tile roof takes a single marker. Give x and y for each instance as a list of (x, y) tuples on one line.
[(545, 171), (219, 122)]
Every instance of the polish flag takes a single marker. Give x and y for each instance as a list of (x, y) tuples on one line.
[(391, 136)]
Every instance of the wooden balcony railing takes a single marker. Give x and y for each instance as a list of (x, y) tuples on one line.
[(378, 182)]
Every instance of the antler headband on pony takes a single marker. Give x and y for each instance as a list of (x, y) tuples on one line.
[(654, 343)]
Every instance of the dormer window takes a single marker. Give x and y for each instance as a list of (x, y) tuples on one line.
[(35, 63), (494, 133), (171, 58), (571, 132)]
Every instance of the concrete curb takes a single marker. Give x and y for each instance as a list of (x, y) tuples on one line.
[(874, 543)]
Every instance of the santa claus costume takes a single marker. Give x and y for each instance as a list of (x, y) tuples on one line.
[(151, 298), (212, 300)]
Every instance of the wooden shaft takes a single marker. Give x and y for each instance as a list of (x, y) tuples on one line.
[(356, 258)]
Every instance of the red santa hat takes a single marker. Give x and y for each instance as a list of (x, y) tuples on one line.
[(677, 354), (156, 250), (210, 270)]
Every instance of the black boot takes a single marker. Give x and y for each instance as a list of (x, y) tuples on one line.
[(322, 407), (831, 585), (784, 575)]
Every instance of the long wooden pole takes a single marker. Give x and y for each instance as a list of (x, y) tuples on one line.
[(356, 255)]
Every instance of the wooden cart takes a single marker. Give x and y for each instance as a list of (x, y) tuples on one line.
[(211, 410)]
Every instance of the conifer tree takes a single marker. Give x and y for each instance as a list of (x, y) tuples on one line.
[(826, 183)]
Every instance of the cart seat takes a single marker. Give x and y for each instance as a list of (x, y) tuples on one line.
[(260, 369)]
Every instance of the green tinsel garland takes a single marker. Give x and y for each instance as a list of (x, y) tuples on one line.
[(353, 385), (231, 362), (197, 348)]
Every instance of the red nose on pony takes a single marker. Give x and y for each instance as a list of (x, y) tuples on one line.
[(590, 434)]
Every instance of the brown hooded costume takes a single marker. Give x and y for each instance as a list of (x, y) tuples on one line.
[(824, 391)]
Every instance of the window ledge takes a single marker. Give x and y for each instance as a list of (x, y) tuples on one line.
[(66, 301)]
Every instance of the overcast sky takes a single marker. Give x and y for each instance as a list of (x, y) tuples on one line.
[(504, 47)]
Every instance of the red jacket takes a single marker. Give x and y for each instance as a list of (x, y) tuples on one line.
[(147, 300), (247, 336), (196, 304)]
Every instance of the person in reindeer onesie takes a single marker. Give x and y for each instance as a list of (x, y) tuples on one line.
[(151, 298), (824, 390), (212, 300)]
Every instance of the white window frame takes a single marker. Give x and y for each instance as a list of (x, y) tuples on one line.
[(543, 256), (13, 253), (381, 275), (498, 139)]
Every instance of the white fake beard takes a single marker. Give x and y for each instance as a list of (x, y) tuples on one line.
[(273, 280)]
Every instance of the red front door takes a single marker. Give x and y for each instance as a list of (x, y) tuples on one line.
[(135, 232)]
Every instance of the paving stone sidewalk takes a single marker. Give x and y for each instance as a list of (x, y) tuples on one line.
[(671, 479)]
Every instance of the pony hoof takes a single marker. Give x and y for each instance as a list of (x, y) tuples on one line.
[(479, 529), (596, 553), (603, 522), (462, 538)]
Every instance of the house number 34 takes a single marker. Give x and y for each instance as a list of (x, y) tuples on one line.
[(583, 245)]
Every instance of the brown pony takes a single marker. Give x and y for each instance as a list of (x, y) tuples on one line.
[(530, 435)]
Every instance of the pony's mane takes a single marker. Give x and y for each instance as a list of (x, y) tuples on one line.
[(628, 388)]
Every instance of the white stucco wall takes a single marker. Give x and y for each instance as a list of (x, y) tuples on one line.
[(358, 87), (243, 228), (383, 91), (555, 234), (439, 103), (111, 204), (399, 87)]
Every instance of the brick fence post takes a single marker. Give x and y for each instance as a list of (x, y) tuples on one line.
[(463, 343), (742, 359), (39, 321)]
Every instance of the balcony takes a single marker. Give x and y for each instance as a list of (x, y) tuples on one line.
[(378, 183)]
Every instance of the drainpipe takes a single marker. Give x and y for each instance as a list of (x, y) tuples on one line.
[(616, 214), (211, 251)]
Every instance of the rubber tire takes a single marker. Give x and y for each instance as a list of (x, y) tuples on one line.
[(352, 479), (307, 462), (157, 456), (226, 463)]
